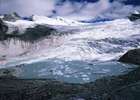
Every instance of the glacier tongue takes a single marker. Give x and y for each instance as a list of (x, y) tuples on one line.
[(104, 41)]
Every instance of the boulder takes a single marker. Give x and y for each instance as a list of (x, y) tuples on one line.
[(132, 56)]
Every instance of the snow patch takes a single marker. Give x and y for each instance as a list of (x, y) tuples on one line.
[(55, 21)]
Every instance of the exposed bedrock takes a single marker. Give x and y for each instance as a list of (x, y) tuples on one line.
[(3, 30), (134, 17), (132, 56)]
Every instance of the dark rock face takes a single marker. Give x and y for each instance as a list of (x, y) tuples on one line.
[(3, 30), (134, 17), (132, 56), (37, 32), (11, 17)]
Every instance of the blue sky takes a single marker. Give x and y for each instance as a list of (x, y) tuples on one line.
[(78, 9)]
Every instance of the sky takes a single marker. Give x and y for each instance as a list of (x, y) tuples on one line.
[(75, 9)]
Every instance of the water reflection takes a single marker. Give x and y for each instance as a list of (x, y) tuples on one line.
[(72, 71)]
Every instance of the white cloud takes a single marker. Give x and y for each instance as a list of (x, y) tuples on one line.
[(69, 9), (82, 10), (120, 10), (28, 7)]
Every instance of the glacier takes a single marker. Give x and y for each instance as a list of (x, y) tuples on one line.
[(87, 52)]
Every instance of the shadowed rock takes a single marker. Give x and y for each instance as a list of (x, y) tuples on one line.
[(132, 56), (37, 32), (134, 17), (3, 30), (11, 17)]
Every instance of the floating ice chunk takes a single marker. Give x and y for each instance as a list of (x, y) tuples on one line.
[(58, 72), (85, 77)]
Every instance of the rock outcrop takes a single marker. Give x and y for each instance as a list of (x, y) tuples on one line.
[(33, 34), (3, 29), (134, 16), (37, 32), (11, 17), (132, 56)]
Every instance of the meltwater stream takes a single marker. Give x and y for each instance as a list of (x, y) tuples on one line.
[(90, 53)]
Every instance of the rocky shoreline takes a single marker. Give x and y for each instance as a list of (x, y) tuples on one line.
[(123, 87)]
